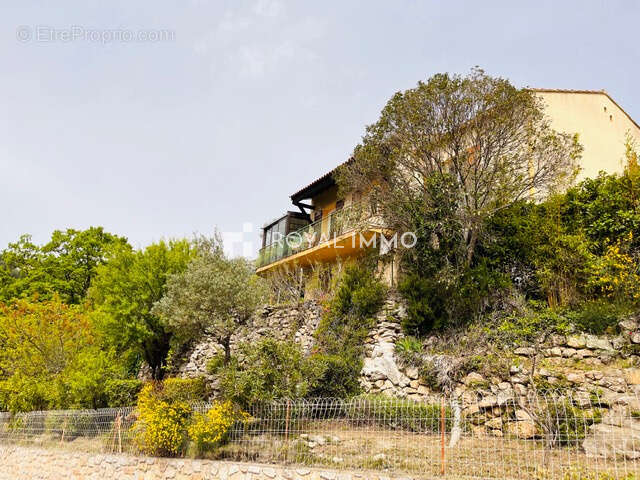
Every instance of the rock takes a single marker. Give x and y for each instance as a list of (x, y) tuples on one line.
[(495, 423), (632, 376), (597, 343), (635, 337), (412, 373), (524, 429), (488, 402), (473, 379), (628, 325), (555, 352), (607, 440), (568, 352), (576, 341), (523, 416), (584, 353), (575, 377), (525, 351)]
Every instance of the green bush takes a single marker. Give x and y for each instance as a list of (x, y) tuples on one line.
[(122, 393), (339, 377), (183, 390), (358, 293), (409, 349), (598, 317), (401, 414), (568, 424), (269, 369), (426, 304)]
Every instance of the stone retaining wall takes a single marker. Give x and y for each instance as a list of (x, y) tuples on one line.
[(20, 463), (290, 322)]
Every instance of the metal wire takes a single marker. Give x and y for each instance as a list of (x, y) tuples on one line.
[(553, 435)]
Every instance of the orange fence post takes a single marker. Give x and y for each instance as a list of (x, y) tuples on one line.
[(442, 427)]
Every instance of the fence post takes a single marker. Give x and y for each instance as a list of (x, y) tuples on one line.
[(119, 422), (442, 427), (286, 431)]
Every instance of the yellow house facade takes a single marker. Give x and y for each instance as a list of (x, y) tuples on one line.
[(325, 228)]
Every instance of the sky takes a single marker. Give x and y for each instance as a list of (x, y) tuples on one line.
[(158, 119)]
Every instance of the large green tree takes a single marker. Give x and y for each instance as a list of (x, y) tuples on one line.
[(50, 358), (124, 292), (490, 138), (214, 295), (65, 265)]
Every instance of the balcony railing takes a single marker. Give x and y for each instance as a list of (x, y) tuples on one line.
[(327, 229)]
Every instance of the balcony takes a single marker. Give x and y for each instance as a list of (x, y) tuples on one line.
[(328, 231)]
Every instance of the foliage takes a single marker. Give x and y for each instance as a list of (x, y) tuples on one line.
[(616, 274), (358, 293), (269, 369), (566, 424), (161, 426), (122, 392), (49, 358), (344, 326), (213, 295), (124, 292), (400, 413), (408, 349), (212, 429), (65, 265), (184, 389), (358, 296), (599, 316), (337, 376), (491, 136)]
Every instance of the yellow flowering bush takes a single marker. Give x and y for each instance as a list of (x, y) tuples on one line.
[(161, 427), (616, 274), (212, 429)]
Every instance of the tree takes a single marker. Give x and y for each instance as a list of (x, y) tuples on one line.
[(214, 295), (65, 265), (124, 292), (50, 358), (491, 139)]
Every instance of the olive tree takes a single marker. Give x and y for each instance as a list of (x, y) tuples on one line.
[(490, 138), (215, 295)]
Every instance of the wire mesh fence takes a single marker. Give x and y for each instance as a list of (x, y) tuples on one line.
[(579, 436)]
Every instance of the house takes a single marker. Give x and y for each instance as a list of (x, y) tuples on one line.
[(324, 227)]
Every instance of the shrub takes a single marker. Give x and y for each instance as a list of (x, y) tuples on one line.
[(426, 304), (349, 317), (567, 424), (269, 369), (598, 316), (161, 427), (409, 349), (212, 429), (339, 377), (122, 393), (401, 414), (358, 293), (183, 389)]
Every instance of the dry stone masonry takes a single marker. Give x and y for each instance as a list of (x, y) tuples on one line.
[(20, 463), (298, 323)]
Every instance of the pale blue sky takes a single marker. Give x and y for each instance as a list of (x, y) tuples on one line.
[(252, 99)]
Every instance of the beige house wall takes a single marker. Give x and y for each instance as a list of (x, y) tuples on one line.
[(600, 123)]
